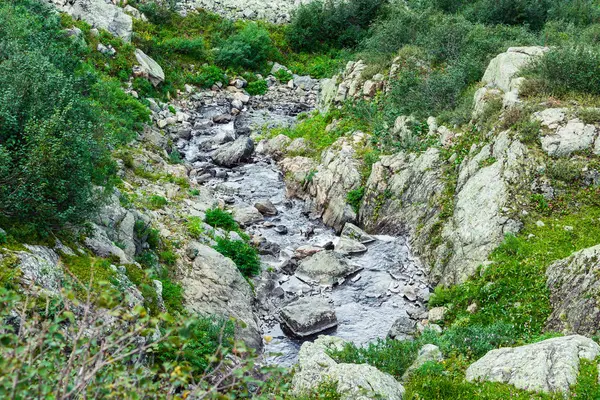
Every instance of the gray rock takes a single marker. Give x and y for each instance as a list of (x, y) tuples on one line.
[(298, 146), (437, 314), (347, 247), (574, 136), (100, 14), (266, 208), (309, 316), (246, 216), (504, 67), (325, 268), (235, 153), (403, 328), (354, 382), (574, 283), (150, 68), (214, 286), (548, 366), (353, 232), (39, 267)]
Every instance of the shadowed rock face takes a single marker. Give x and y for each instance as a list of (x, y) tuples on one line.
[(574, 283), (548, 366)]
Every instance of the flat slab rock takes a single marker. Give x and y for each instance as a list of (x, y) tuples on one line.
[(309, 316), (325, 268), (548, 366)]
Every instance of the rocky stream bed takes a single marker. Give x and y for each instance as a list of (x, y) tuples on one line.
[(355, 286)]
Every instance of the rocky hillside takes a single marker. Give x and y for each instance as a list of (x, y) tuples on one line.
[(299, 200)]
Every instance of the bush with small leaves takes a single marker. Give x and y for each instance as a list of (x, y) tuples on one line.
[(250, 48), (241, 253)]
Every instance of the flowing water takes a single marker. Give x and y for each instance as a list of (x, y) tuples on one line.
[(391, 281)]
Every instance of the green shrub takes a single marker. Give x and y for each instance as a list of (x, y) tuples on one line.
[(317, 25), (529, 131), (567, 70), (354, 198), (241, 253), (257, 88), (194, 227), (250, 48), (283, 76), (156, 202), (172, 295), (564, 170), (208, 76), (194, 47), (218, 218), (589, 115)]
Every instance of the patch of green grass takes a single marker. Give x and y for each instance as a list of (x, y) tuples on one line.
[(354, 198), (589, 115), (156, 202), (88, 270), (195, 228), (241, 253), (513, 288), (259, 87)]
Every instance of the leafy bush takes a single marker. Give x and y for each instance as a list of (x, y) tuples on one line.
[(568, 70), (194, 227), (564, 170), (259, 87), (354, 198), (194, 47), (208, 76), (318, 25), (250, 48), (205, 338), (120, 356), (218, 218), (283, 76), (155, 202), (241, 253)]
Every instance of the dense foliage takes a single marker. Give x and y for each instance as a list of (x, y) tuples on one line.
[(57, 120)]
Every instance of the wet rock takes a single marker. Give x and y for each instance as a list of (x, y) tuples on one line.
[(235, 153), (348, 247), (213, 285), (548, 366), (427, 353), (325, 268), (222, 119), (309, 316), (574, 283), (246, 216), (266, 208), (354, 381), (268, 248), (403, 329), (289, 266), (353, 232), (275, 147), (295, 286), (281, 229)]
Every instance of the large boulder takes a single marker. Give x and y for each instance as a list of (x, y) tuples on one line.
[(574, 284), (100, 14), (548, 366), (235, 153), (483, 207), (505, 66), (563, 136), (149, 68), (399, 196), (326, 186), (214, 286), (309, 316), (39, 266), (325, 268), (354, 381)]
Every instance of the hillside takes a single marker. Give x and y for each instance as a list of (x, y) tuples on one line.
[(300, 200)]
